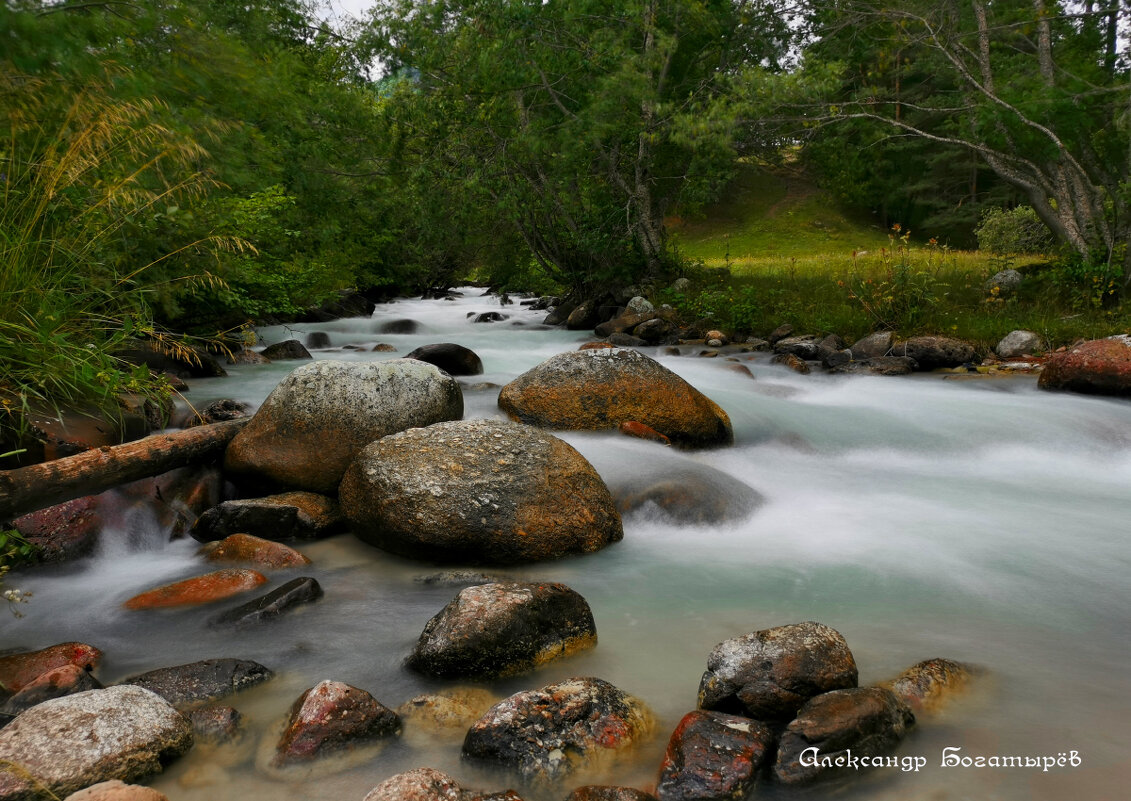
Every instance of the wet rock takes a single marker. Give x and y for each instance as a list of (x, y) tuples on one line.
[(288, 349), (489, 317), (559, 314), (259, 553), (19, 670), (931, 684), (692, 495), (204, 589), (286, 516), (829, 346), (654, 330), (453, 359), (456, 578), (631, 428), (294, 593), (622, 323), (1006, 282), (218, 411), (115, 790), (422, 784), (503, 629), (626, 341), (198, 683), (600, 389), (934, 352), (320, 416), (879, 365), (792, 361), (69, 743), (594, 792), (247, 356), (446, 712), (329, 717), (1018, 343), (780, 333), (384, 347), (317, 339), (741, 369), (837, 358), (547, 734), (480, 491), (399, 327), (64, 532), (806, 347), (712, 756), (217, 725), (868, 721), (1096, 367), (583, 316), (55, 683), (877, 344), (767, 675)]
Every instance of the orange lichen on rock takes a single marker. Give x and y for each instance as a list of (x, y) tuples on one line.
[(199, 589)]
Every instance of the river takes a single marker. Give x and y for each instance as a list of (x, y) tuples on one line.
[(981, 520)]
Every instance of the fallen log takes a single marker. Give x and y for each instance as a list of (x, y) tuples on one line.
[(37, 486)]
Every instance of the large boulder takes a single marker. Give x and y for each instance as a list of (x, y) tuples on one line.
[(932, 352), (70, 743), (547, 734), (1096, 367), (769, 674), (495, 630), (451, 358), (286, 516), (199, 683), (21, 669), (206, 589), (332, 716), (481, 491), (862, 722), (320, 416), (597, 390), (712, 756)]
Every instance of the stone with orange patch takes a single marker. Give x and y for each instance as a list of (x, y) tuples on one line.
[(631, 428), (19, 670), (254, 551), (198, 590)]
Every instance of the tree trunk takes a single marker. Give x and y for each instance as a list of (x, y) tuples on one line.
[(38, 486)]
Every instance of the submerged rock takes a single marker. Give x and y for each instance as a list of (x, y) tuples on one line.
[(70, 743), (205, 589), (294, 593), (691, 495), (451, 358), (713, 756), (496, 630), (878, 365), (287, 516), (319, 417), (288, 349), (19, 670), (597, 390), (595, 792), (868, 721), (330, 717), (549, 733), (768, 675), (197, 683), (931, 684), (447, 711), (217, 725), (480, 491), (316, 340), (792, 361), (1097, 367)]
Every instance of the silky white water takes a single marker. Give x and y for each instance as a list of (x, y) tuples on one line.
[(983, 521)]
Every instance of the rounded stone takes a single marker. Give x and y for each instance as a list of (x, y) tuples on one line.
[(321, 415), (481, 491), (259, 553), (329, 717), (288, 349), (597, 390), (453, 359), (115, 790), (1096, 367), (19, 670), (713, 756), (421, 784), (931, 684), (206, 589)]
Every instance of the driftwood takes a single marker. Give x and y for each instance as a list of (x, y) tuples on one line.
[(37, 486)]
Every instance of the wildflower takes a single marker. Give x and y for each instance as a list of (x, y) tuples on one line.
[(897, 227)]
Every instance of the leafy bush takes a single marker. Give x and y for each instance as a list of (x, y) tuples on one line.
[(1017, 230)]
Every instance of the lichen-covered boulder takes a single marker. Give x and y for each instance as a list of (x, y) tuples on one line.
[(70, 743), (1096, 367), (868, 721), (21, 669), (930, 684), (549, 733), (496, 630), (330, 717), (286, 516), (453, 359), (481, 491), (597, 390), (712, 756), (198, 683), (321, 415), (768, 675)]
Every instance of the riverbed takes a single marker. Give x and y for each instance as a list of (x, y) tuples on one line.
[(980, 520)]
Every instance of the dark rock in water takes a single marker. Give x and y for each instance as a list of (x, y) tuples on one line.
[(622, 323), (828, 346), (55, 683), (216, 724), (191, 363), (626, 341), (931, 684), (218, 411), (21, 669), (489, 317), (70, 743), (594, 792), (868, 721), (64, 532), (456, 578), (597, 390), (873, 345), (317, 339), (287, 516), (288, 349), (399, 327), (583, 316), (295, 592), (548, 733), (247, 356), (1096, 367), (713, 756), (259, 553), (806, 347), (779, 333), (768, 675), (198, 683), (696, 495), (878, 365), (329, 717), (481, 491), (559, 314), (320, 416), (792, 361), (933, 352), (837, 358), (451, 358), (502, 629), (654, 330)]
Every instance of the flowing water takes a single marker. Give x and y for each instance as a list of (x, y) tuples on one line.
[(983, 521)]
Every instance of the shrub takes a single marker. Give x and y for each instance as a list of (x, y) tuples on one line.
[(1009, 231)]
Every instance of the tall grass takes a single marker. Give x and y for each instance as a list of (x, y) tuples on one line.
[(77, 164)]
